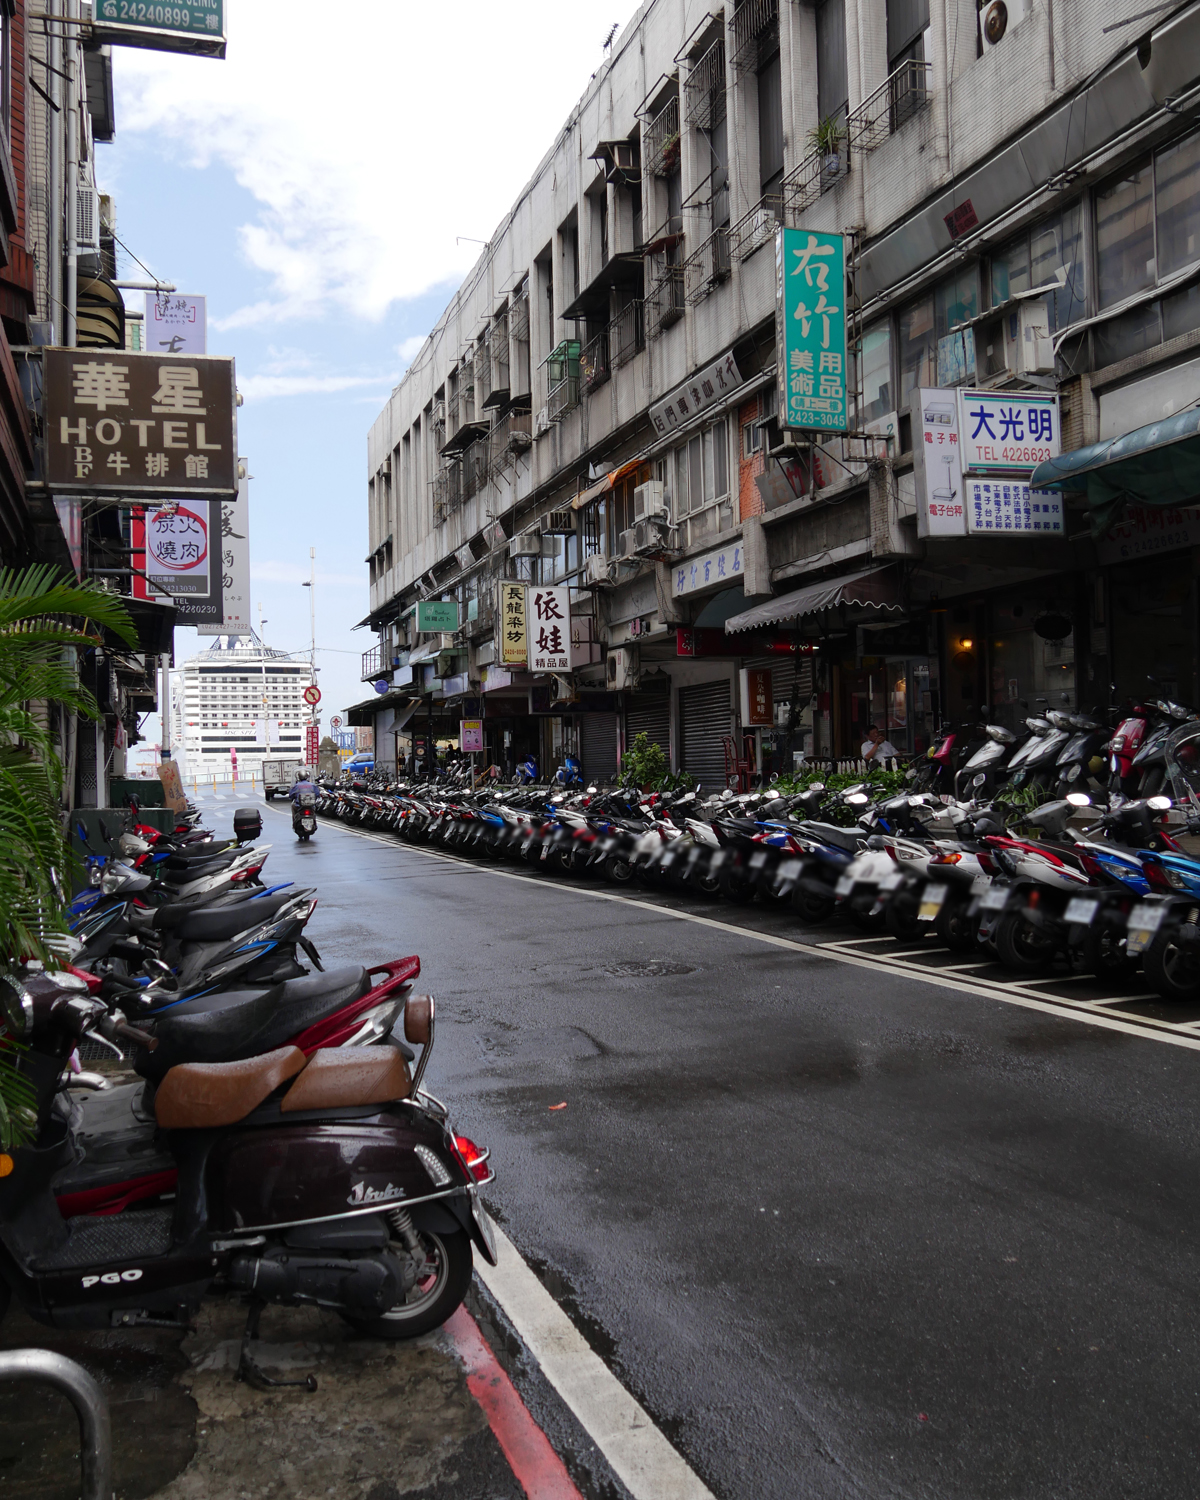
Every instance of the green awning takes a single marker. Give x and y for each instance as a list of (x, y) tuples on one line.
[(1158, 466)]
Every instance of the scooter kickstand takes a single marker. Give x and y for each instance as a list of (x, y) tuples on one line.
[(250, 1372)]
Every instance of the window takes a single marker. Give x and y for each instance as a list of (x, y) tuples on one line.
[(876, 371), (770, 127), (833, 90), (956, 299), (1177, 206), (701, 469), (1125, 237), (917, 348), (907, 32), (752, 439)]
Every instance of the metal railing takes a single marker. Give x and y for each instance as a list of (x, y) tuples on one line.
[(370, 664), (897, 99), (750, 20), (627, 333), (519, 318), (661, 145), (818, 172), (665, 301), (594, 362), (95, 1430), (705, 88), (710, 265), (757, 228)]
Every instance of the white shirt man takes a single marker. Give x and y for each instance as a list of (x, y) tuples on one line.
[(876, 748)]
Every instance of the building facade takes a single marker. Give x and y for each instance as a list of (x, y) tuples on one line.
[(597, 409)]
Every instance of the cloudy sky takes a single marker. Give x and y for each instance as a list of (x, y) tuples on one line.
[(314, 186)]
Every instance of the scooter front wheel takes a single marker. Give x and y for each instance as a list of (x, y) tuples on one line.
[(431, 1300)]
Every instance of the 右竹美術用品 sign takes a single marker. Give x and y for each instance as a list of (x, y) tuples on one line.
[(811, 327), (139, 424), (194, 26)]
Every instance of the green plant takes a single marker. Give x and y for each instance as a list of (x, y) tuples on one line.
[(828, 136), (645, 765)]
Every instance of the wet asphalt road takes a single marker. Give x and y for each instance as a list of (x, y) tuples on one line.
[(842, 1234)]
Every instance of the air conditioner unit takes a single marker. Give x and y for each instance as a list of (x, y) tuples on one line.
[(627, 543), (597, 571), (649, 536), (621, 669), (529, 544), (562, 689), (542, 424), (648, 500), (624, 161), (998, 17), (1029, 349), (559, 523), (87, 217)]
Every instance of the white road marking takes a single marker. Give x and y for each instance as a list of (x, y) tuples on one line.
[(642, 1458)]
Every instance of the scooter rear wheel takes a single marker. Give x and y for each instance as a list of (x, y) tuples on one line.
[(812, 908), (1173, 969), (737, 888), (1102, 954), (958, 931), (1021, 947), (431, 1302), (901, 919)]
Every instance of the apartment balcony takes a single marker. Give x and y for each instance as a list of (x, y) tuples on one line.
[(705, 88), (627, 334), (594, 366), (752, 19), (757, 228), (563, 379), (900, 96), (816, 174), (665, 301), (704, 271), (370, 664), (661, 147)]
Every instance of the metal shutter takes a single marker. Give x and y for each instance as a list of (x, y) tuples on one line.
[(598, 746), (649, 714), (703, 728)]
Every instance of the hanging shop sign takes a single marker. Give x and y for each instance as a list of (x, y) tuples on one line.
[(172, 551), (549, 627), (470, 736), (709, 388), (1012, 507), (1007, 432), (235, 565), (1142, 532), (514, 635), (139, 424), (937, 470), (312, 744), (175, 324), (434, 615), (193, 26), (757, 701), (810, 315), (703, 572)]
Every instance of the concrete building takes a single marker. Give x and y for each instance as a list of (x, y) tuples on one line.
[(238, 696), (598, 406)]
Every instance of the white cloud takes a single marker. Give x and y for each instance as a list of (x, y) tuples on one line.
[(411, 347), (275, 571), (369, 147), (261, 387)]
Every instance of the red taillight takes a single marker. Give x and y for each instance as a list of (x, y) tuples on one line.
[(945, 859), (473, 1158), (244, 874), (1156, 876), (1035, 898)]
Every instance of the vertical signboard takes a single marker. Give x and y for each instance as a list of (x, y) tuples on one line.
[(757, 701), (810, 312), (176, 555), (937, 468), (234, 545), (549, 629), (176, 324), (470, 736), (514, 636), (312, 739)]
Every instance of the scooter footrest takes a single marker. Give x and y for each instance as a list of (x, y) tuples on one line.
[(100, 1239)]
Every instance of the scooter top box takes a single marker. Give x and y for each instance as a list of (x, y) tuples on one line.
[(247, 822)]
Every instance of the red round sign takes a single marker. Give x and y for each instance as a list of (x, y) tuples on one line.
[(312, 694)]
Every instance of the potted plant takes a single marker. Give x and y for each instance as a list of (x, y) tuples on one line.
[(827, 141)]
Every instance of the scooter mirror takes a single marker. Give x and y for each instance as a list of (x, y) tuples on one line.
[(1079, 799), (817, 786), (1159, 804)]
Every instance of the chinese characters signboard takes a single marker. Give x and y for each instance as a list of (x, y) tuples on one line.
[(436, 615), (172, 546), (139, 424), (707, 389), (713, 567), (175, 324), (937, 470), (312, 744), (1006, 431), (195, 26), (549, 617), (758, 708), (514, 648), (470, 736), (235, 566), (1009, 505), (1141, 532), (811, 324)]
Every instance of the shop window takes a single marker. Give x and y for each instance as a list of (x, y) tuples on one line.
[(875, 371), (1138, 329), (956, 300), (1181, 312), (1125, 237), (917, 348), (1050, 254), (1177, 206), (907, 32)]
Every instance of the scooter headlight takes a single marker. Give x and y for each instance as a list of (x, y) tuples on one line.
[(110, 882)]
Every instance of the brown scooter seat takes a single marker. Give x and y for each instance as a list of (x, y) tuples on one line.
[(203, 1096), (338, 1076)]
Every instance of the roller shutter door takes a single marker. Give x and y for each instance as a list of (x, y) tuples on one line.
[(789, 673), (703, 728), (598, 747), (649, 714)]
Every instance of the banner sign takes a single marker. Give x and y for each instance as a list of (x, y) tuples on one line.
[(937, 470), (810, 312), (514, 645), (470, 736), (1007, 431), (724, 566), (173, 547), (175, 324), (312, 742), (757, 701), (139, 424), (434, 615), (193, 26), (707, 389), (1010, 506), (549, 630), (1141, 532)]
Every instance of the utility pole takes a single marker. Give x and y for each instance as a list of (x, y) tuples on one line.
[(314, 711), (72, 61), (262, 648)]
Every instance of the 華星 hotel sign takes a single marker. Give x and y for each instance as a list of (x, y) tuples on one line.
[(139, 425)]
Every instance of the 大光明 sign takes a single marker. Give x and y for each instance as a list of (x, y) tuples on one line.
[(470, 735), (175, 324), (514, 644), (139, 424), (810, 272), (1007, 431), (549, 628), (437, 615), (1009, 505), (1141, 532), (714, 567), (709, 388), (937, 471), (195, 26)]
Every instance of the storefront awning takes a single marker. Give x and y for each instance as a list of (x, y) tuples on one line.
[(1157, 466), (363, 713), (876, 587)]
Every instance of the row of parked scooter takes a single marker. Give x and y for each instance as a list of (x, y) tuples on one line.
[(1102, 883), (276, 1139)]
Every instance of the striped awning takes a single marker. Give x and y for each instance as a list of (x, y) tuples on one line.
[(876, 587)]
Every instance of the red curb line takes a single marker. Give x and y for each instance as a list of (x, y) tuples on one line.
[(538, 1469)]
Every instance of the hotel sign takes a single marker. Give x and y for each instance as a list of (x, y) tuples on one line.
[(139, 424)]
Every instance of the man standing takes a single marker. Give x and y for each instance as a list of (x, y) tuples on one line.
[(877, 748)]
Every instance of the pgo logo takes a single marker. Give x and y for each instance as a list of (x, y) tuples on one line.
[(111, 1278)]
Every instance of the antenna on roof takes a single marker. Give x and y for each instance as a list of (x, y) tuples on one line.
[(611, 37)]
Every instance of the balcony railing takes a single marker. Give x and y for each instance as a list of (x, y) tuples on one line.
[(752, 19), (594, 362), (897, 99), (370, 664), (817, 173), (627, 333), (757, 228), (706, 88), (662, 140), (705, 270), (664, 301), (519, 318)]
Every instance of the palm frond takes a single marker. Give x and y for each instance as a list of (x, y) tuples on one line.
[(18, 1101), (40, 594)]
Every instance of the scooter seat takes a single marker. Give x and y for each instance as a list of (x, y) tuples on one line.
[(205, 1096), (203, 851), (830, 833), (200, 925), (306, 1001), (337, 1077)]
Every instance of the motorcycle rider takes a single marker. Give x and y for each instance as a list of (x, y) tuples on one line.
[(303, 796)]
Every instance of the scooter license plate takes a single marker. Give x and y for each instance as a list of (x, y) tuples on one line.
[(1144, 922), (757, 860), (483, 1223), (844, 886), (790, 868), (717, 860), (932, 902), (996, 898), (1080, 909), (890, 882)]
